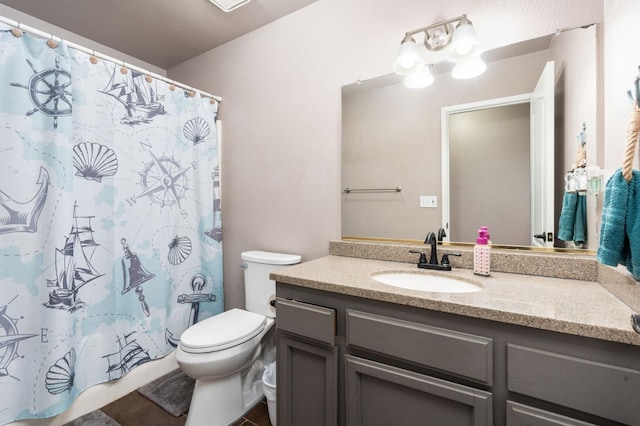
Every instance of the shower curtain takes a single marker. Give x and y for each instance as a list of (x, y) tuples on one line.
[(110, 234)]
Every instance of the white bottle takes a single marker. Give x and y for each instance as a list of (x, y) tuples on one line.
[(482, 253)]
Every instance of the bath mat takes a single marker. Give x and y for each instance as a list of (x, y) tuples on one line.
[(94, 418), (172, 392)]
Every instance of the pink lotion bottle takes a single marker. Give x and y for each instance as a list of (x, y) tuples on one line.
[(482, 253)]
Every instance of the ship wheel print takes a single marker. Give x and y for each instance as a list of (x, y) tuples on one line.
[(164, 181), (50, 92), (9, 339)]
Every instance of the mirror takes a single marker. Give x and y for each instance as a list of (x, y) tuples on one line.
[(392, 153)]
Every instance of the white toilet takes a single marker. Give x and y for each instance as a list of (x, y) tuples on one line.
[(226, 353)]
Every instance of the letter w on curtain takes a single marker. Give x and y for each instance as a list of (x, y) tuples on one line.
[(110, 234)]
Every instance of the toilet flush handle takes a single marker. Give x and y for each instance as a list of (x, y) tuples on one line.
[(243, 265)]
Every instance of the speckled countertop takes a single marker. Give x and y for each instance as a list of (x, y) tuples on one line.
[(579, 307)]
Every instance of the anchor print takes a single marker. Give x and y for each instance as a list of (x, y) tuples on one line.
[(198, 284), (16, 216)]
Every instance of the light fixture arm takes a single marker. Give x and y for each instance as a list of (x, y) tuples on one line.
[(437, 36), (436, 25)]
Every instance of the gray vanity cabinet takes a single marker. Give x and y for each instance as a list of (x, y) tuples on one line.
[(307, 365), (390, 364)]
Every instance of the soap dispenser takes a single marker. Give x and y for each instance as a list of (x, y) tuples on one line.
[(482, 253)]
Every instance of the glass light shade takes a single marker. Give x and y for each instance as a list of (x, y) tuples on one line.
[(408, 59), (464, 42), (419, 78), (469, 68)]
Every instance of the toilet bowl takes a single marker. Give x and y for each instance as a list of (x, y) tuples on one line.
[(220, 363), (226, 353)]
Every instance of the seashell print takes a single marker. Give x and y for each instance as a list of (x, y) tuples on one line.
[(61, 374), (179, 250), (93, 161), (196, 130)]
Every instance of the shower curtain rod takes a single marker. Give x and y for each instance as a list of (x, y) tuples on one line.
[(88, 51)]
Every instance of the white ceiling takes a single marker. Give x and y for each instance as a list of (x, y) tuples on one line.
[(163, 33)]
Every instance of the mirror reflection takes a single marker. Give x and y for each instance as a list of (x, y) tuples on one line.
[(405, 177)]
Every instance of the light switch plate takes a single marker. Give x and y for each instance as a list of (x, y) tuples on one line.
[(430, 201)]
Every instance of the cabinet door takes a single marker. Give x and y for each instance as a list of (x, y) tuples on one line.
[(307, 382), (522, 415), (382, 395)]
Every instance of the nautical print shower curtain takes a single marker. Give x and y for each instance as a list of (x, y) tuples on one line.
[(110, 242)]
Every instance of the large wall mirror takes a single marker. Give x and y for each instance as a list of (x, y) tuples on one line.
[(402, 161)]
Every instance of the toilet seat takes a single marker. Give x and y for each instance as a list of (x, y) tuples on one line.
[(222, 331)]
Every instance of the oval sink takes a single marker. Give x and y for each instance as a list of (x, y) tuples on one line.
[(426, 282)]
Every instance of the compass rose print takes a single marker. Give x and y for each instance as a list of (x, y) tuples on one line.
[(9, 339), (49, 91), (164, 181)]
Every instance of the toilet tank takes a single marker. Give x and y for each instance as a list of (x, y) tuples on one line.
[(259, 290)]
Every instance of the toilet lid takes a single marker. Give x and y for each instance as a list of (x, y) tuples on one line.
[(222, 331)]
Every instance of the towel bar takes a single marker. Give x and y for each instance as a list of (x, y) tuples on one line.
[(350, 190)]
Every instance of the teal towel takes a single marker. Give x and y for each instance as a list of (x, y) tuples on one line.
[(580, 224), (620, 228), (567, 216), (632, 254)]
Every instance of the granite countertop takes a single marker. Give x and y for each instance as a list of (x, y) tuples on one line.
[(578, 307)]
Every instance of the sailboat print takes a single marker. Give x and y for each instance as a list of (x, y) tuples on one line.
[(128, 356), (73, 265), (138, 95)]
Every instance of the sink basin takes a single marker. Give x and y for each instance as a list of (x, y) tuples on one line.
[(426, 282)]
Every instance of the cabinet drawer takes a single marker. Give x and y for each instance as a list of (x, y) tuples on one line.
[(523, 415), (379, 394), (462, 354), (304, 319), (588, 386)]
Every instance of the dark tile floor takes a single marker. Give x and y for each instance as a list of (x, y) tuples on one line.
[(136, 410)]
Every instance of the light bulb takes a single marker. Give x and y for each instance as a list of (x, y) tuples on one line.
[(464, 42), (469, 68), (419, 79), (408, 58)]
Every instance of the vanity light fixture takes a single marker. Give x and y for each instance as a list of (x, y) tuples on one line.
[(229, 5), (461, 43)]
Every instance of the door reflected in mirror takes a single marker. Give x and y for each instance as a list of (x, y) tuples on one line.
[(392, 137)]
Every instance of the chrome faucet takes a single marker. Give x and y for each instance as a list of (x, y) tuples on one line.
[(433, 256)]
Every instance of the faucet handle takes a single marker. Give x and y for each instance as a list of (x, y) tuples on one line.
[(423, 256), (445, 257)]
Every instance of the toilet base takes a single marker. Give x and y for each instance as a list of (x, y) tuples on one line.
[(222, 402)]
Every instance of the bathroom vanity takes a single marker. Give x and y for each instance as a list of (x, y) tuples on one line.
[(526, 350)]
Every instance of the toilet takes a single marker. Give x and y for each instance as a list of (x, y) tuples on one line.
[(226, 353)]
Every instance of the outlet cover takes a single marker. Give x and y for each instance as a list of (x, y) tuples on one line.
[(429, 201)]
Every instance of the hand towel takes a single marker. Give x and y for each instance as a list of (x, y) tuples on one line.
[(580, 222), (612, 228), (567, 216), (632, 226), (620, 229)]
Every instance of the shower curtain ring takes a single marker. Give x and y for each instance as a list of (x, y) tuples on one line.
[(123, 68), (93, 58), (51, 42), (17, 32)]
